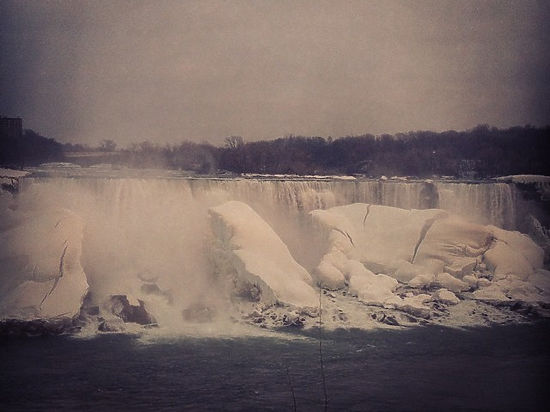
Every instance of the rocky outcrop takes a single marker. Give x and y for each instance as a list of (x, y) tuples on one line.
[(120, 306)]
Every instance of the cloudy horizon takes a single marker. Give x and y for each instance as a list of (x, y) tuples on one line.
[(169, 71)]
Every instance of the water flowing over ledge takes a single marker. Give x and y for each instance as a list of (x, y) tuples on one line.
[(163, 250)]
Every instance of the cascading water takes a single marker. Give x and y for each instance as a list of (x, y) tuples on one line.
[(491, 203), (152, 238), (162, 215)]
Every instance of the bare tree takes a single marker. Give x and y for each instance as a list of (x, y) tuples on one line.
[(107, 145), (233, 142)]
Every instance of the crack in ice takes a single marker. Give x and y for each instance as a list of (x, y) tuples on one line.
[(61, 259)]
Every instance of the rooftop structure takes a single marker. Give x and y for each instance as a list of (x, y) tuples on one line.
[(11, 127)]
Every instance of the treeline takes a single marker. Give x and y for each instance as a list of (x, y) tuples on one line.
[(476, 153), (30, 149)]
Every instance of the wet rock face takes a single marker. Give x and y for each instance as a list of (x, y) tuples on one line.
[(385, 318), (34, 328), (429, 196), (293, 320), (121, 307), (248, 291), (112, 325)]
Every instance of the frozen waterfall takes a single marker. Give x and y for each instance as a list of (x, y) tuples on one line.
[(160, 249)]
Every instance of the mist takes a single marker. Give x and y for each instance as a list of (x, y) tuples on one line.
[(170, 71)]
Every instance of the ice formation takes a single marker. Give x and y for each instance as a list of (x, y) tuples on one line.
[(247, 249), (425, 249), (171, 251), (41, 272)]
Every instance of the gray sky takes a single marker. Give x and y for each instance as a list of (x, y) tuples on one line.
[(167, 71)]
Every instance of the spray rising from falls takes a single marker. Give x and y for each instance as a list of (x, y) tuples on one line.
[(172, 250)]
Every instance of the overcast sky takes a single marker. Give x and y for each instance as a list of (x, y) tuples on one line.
[(167, 71)]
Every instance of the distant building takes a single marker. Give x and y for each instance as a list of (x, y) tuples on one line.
[(11, 127)]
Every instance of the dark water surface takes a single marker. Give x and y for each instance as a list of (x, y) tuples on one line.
[(427, 368)]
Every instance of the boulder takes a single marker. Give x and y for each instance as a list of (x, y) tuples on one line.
[(446, 281), (445, 296), (120, 306)]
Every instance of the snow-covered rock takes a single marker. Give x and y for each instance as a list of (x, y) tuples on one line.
[(511, 288), (447, 281), (249, 252), (520, 243), (422, 280), (409, 243), (452, 245), (471, 280), (406, 271), (423, 248), (513, 254), (41, 274), (445, 296), (483, 282), (415, 305), (503, 261), (370, 288), (380, 237), (329, 276), (490, 293), (405, 243)]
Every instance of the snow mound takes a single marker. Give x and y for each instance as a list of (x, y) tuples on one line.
[(41, 273), (513, 254), (452, 245), (258, 263), (405, 243), (368, 287), (447, 281), (381, 237), (414, 304), (445, 296), (373, 249)]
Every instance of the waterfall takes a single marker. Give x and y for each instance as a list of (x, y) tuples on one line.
[(151, 238), (154, 224), (486, 203)]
